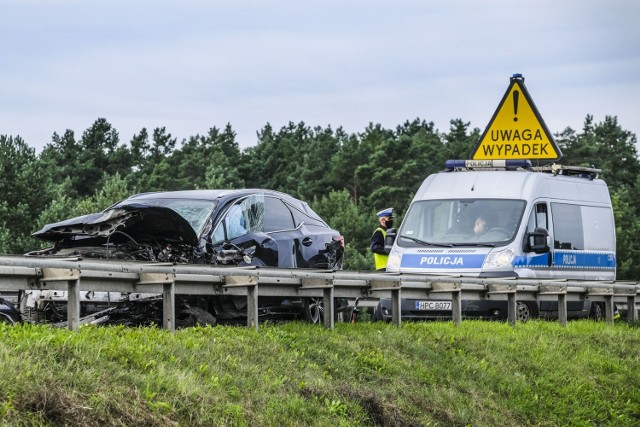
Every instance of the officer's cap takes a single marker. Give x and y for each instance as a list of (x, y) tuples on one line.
[(387, 212)]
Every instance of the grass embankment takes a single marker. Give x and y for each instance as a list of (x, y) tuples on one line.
[(479, 373)]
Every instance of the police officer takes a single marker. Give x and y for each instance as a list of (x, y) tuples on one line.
[(380, 255)]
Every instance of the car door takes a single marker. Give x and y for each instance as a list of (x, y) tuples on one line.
[(280, 226), (242, 229), (313, 236)]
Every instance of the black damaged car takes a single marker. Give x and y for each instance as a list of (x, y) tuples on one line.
[(221, 227)]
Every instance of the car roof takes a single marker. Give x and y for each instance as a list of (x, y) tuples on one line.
[(214, 194), (183, 194), (207, 194)]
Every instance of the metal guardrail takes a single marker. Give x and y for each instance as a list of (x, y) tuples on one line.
[(71, 275)]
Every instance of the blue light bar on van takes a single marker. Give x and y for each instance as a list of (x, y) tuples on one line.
[(494, 164)]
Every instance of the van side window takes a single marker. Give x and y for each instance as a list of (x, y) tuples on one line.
[(538, 218), (567, 226), (601, 235)]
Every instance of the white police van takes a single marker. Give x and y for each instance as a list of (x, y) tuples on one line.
[(505, 218)]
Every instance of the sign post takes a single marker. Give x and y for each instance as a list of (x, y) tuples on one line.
[(516, 130)]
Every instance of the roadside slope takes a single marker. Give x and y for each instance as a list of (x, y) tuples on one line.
[(479, 373)]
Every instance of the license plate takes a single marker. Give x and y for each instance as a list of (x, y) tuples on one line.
[(433, 305)]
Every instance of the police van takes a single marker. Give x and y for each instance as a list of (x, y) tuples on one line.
[(505, 218)]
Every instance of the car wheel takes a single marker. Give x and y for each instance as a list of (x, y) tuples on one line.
[(523, 312), (5, 319), (597, 312), (314, 310)]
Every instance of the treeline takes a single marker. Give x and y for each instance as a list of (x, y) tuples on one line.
[(345, 177)]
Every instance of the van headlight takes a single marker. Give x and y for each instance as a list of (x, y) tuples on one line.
[(393, 262), (500, 259)]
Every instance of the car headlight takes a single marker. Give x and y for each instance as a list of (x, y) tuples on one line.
[(393, 262), (500, 259)]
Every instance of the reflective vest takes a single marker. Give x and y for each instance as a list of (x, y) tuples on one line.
[(380, 259)]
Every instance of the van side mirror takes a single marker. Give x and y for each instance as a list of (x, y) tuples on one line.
[(537, 241), (389, 239)]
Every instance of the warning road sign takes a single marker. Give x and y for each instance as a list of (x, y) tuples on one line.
[(516, 130)]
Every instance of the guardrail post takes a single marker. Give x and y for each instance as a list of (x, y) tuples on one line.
[(456, 308), (605, 290), (327, 297), (608, 308), (562, 309), (73, 304), (512, 309), (251, 284), (630, 290), (72, 277), (329, 308), (510, 290), (169, 306), (632, 313), (252, 306), (393, 284), (561, 292), (396, 307), (168, 282)]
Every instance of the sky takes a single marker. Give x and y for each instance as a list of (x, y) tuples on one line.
[(193, 65)]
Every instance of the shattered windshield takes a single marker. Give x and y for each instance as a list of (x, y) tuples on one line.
[(196, 212), (461, 222)]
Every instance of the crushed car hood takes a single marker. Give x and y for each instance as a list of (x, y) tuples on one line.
[(143, 223)]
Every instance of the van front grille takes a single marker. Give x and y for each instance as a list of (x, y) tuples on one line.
[(449, 251)]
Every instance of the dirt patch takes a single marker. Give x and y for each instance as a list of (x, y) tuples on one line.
[(55, 407), (59, 408), (380, 412)]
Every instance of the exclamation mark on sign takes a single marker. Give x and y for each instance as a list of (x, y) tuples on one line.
[(516, 95)]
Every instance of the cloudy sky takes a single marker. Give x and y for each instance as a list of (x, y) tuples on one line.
[(192, 65)]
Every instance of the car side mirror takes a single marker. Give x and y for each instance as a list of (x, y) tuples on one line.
[(538, 241), (389, 239)]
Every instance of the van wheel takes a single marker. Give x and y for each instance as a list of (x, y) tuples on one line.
[(597, 312), (523, 312)]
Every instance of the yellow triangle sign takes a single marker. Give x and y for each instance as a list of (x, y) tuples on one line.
[(516, 130)]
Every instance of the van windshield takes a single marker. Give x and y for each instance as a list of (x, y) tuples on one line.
[(461, 222)]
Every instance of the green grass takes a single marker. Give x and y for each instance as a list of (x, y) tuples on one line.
[(422, 374)]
